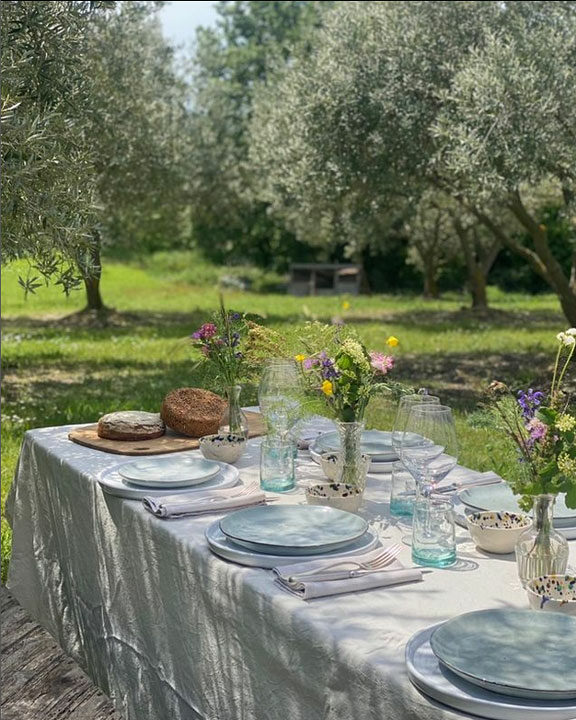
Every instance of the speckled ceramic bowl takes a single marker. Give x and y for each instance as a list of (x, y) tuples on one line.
[(554, 593), (497, 531), (226, 448), (331, 464), (336, 495)]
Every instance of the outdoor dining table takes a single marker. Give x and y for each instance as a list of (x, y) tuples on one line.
[(170, 631)]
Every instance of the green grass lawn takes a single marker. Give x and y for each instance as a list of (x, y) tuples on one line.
[(61, 368)]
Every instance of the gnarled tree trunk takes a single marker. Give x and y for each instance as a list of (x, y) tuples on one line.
[(91, 274), (541, 258)]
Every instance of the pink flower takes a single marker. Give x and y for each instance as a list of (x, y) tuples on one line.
[(309, 363), (381, 363), (206, 332), (537, 429)]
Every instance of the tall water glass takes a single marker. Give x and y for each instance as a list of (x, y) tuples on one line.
[(403, 491), (433, 533), (436, 452), (277, 464), (280, 396)]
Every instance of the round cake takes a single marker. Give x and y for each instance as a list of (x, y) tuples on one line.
[(131, 425), (193, 411)]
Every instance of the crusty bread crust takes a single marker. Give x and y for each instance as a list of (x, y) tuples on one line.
[(131, 425), (193, 411)]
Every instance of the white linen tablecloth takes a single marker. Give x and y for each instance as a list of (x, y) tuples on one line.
[(171, 632)]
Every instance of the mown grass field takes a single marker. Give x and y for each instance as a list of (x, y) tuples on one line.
[(59, 367)]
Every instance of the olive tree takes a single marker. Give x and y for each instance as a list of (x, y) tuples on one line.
[(48, 184), (472, 99), (94, 126)]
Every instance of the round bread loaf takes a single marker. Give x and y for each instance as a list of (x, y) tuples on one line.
[(131, 425), (193, 411)]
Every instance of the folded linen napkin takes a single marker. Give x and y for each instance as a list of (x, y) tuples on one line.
[(170, 506), (462, 477), (308, 587)]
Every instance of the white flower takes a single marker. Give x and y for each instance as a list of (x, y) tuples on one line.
[(571, 331), (566, 338)]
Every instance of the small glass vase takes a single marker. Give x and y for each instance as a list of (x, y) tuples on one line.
[(234, 420), (541, 550), (353, 468)]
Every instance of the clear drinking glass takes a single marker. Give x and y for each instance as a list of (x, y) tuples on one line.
[(433, 532), (406, 403), (436, 452), (280, 395), (403, 492), (277, 464)]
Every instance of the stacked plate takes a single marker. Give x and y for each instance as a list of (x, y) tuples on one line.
[(162, 476), (377, 444), (268, 535), (501, 497), (504, 664)]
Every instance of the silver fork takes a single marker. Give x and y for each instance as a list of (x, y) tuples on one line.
[(386, 557)]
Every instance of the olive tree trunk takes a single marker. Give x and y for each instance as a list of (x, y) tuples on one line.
[(541, 258), (91, 274)]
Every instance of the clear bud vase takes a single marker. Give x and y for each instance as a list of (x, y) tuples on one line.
[(234, 420), (353, 468), (541, 550)]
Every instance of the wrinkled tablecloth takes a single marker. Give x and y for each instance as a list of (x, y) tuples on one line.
[(171, 632)]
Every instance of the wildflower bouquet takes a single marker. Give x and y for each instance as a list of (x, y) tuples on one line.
[(234, 346), (344, 373), (543, 430)]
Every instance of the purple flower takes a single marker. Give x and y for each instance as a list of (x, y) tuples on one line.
[(328, 371), (309, 363), (238, 355), (235, 316), (529, 402)]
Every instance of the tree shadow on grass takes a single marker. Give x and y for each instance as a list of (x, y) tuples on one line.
[(80, 391), (181, 324)]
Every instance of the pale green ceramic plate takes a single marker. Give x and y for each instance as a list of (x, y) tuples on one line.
[(293, 529), (169, 472), (375, 443), (514, 652), (500, 497)]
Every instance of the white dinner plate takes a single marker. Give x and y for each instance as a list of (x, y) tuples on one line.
[(293, 529), (377, 444), (169, 472), (438, 683), (514, 652), (114, 484), (225, 548), (501, 497)]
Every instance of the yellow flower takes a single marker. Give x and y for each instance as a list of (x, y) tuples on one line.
[(392, 341), (566, 423), (300, 358), (327, 388), (345, 305)]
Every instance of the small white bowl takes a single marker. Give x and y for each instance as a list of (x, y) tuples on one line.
[(336, 495), (497, 531), (226, 448), (554, 593), (331, 464)]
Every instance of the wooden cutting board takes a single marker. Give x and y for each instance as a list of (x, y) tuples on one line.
[(168, 443)]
